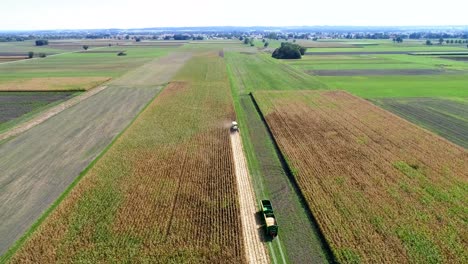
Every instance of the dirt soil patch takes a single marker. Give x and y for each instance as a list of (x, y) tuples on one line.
[(377, 72), (16, 104), (11, 58), (53, 84)]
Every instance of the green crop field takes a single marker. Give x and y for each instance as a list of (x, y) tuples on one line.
[(448, 118)]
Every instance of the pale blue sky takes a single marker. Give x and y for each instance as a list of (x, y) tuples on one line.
[(76, 14)]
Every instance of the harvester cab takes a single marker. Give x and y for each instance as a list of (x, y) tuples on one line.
[(234, 126)]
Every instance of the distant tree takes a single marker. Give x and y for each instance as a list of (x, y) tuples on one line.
[(42, 55), (122, 53), (167, 37), (246, 41), (272, 35), (110, 44), (30, 54), (428, 42), (241, 38), (181, 37), (137, 39), (127, 37), (399, 39), (42, 42), (266, 45), (252, 44), (289, 51), (263, 40), (85, 47), (447, 41), (451, 41), (315, 39), (441, 40), (294, 40)]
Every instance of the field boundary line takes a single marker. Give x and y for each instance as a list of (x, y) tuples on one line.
[(48, 56), (50, 113), (12, 250), (326, 246), (255, 251)]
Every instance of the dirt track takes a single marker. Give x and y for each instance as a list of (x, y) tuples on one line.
[(251, 224)]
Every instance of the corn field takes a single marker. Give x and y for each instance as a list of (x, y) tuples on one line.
[(381, 189), (165, 192)]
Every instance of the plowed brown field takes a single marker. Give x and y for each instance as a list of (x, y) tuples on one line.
[(381, 189)]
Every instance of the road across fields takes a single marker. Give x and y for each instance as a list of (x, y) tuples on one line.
[(39, 164), (251, 224)]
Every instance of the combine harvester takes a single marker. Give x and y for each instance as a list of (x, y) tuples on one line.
[(269, 218), (234, 126)]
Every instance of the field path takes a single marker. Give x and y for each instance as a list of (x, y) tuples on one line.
[(50, 113), (251, 224), (36, 166)]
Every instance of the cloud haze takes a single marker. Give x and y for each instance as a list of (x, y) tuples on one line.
[(65, 14)]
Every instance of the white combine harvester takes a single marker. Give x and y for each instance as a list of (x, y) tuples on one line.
[(234, 126)]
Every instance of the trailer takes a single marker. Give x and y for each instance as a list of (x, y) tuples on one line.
[(271, 226)]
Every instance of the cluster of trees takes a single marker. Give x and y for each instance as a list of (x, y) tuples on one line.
[(455, 41), (289, 51), (181, 37), (42, 42), (398, 39), (41, 55), (247, 41), (448, 41)]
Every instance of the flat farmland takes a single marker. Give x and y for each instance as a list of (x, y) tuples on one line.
[(298, 241), (164, 192), (37, 167), (446, 117), (380, 188)]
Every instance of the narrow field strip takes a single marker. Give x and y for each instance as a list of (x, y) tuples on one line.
[(50, 113), (251, 223)]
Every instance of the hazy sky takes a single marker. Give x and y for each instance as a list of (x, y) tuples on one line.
[(76, 14)]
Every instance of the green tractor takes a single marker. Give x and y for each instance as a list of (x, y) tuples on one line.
[(269, 218)]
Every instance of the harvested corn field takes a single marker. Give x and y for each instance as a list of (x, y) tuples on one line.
[(165, 191), (53, 84), (380, 188)]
